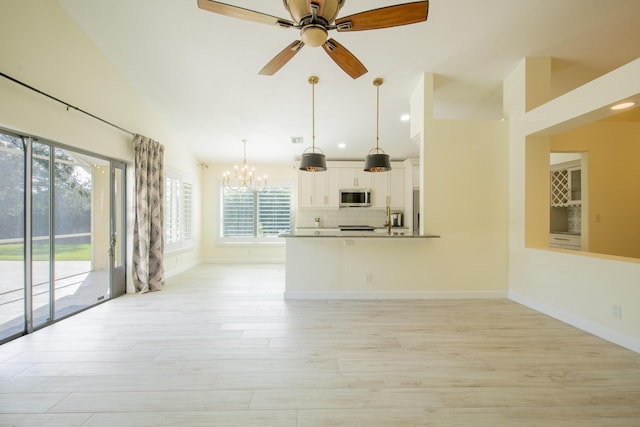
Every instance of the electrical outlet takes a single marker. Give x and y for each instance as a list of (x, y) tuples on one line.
[(616, 311), (368, 278)]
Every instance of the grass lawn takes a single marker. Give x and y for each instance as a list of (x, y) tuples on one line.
[(77, 252)]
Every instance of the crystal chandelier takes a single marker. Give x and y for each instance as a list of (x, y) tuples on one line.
[(244, 176)]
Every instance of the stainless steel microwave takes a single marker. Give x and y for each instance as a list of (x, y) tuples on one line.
[(355, 198)]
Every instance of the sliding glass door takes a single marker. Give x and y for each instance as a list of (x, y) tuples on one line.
[(118, 247), (12, 235), (39, 243), (61, 246)]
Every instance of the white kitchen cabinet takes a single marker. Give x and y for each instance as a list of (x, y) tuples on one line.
[(332, 189), (355, 178), (306, 189), (322, 189), (318, 189), (396, 188), (388, 188), (380, 190), (565, 241), (566, 186)]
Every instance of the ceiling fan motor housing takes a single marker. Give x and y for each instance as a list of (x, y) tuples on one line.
[(299, 9)]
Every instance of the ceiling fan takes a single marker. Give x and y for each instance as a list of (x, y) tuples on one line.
[(314, 19)]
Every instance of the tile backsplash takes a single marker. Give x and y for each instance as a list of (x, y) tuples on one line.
[(332, 218)]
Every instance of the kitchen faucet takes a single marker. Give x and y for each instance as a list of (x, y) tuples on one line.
[(389, 220)]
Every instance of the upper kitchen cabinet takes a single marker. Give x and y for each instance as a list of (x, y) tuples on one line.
[(355, 178), (322, 189), (318, 189), (566, 184), (388, 188)]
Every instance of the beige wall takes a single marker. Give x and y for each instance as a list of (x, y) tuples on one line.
[(573, 286), (614, 183), (465, 197), (214, 250), (465, 201), (42, 46)]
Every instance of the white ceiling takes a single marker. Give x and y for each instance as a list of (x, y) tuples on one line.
[(200, 69)]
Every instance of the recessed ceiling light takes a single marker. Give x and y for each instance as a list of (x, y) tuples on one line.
[(405, 117), (623, 105), (342, 145)]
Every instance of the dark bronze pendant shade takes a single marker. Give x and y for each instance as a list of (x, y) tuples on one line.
[(377, 160), (314, 160)]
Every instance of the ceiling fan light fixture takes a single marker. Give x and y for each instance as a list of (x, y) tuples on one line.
[(377, 160), (314, 35)]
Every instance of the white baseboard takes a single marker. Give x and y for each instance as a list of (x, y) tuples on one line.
[(246, 260), (580, 323), (395, 295), (181, 269)]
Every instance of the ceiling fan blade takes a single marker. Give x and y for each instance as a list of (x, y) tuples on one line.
[(385, 17), (282, 58), (242, 13), (345, 59)]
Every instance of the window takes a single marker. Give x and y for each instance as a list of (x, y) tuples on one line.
[(266, 213), (178, 211)]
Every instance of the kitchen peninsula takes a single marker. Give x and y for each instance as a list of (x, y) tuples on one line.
[(356, 265)]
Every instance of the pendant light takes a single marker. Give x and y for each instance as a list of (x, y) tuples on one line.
[(377, 160), (311, 161)]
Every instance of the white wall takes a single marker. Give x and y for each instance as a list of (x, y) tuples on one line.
[(575, 287), (43, 47)]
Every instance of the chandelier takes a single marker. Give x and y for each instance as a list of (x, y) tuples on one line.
[(244, 176)]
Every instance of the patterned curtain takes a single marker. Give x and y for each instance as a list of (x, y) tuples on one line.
[(148, 233)]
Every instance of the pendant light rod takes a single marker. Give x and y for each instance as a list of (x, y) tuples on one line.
[(377, 83), (377, 160), (313, 80), (312, 161)]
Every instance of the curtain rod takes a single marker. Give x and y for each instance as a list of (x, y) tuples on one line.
[(65, 103)]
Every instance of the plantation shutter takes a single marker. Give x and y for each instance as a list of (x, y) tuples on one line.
[(172, 197), (237, 213), (274, 211), (186, 211)]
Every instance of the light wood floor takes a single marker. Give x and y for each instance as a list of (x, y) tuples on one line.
[(219, 347)]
